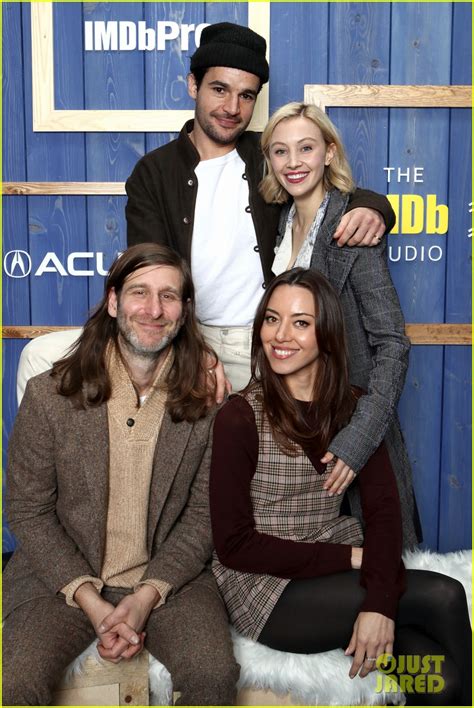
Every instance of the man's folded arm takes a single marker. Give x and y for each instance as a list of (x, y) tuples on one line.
[(32, 491)]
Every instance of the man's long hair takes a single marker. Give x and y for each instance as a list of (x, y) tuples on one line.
[(83, 374), (332, 398)]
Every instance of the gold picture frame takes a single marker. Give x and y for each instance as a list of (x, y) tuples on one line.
[(387, 96)]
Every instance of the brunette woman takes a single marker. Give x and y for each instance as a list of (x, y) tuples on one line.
[(294, 573)]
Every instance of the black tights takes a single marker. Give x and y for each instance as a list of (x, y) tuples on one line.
[(432, 620)]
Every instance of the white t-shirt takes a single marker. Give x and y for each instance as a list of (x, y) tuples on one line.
[(226, 268)]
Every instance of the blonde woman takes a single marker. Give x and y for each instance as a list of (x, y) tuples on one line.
[(307, 171)]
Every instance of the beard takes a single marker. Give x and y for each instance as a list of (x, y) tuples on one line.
[(135, 346), (219, 135)]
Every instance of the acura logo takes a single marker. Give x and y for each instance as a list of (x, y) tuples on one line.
[(17, 264)]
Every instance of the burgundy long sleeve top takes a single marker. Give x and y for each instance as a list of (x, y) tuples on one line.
[(241, 547)]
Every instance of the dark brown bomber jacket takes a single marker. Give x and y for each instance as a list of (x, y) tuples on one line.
[(162, 193)]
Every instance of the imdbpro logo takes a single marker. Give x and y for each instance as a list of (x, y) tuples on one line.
[(17, 264)]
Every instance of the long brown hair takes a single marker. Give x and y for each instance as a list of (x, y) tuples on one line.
[(83, 374), (332, 398)]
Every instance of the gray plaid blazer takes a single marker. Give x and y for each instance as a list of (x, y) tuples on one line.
[(378, 355), (287, 501)]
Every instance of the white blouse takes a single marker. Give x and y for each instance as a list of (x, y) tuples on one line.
[(282, 258)]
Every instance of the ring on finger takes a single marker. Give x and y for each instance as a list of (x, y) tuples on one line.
[(371, 658)]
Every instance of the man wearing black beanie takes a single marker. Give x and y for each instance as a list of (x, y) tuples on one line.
[(199, 195), (226, 44)]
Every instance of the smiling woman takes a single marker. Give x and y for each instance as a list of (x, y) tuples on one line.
[(288, 337), (296, 571), (300, 352), (306, 169)]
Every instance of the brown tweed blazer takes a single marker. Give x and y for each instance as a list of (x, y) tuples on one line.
[(287, 502), (57, 486)]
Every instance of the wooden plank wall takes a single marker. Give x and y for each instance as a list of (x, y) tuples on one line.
[(423, 37), (456, 463), (311, 43)]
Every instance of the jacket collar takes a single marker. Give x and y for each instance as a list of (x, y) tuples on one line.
[(332, 261), (185, 146), (171, 445), (334, 212)]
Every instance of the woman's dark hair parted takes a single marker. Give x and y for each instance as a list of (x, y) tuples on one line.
[(83, 375), (332, 396)]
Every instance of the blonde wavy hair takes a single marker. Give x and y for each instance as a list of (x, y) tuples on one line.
[(337, 174)]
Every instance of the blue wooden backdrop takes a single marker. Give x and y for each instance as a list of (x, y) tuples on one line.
[(368, 43)]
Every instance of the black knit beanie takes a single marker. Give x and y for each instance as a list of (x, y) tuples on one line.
[(226, 44)]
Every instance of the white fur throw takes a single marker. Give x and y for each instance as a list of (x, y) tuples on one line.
[(313, 679)]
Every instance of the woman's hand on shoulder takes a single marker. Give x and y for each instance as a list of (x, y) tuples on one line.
[(341, 475), (373, 635)]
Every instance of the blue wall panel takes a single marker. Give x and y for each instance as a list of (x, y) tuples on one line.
[(455, 511), (110, 156), (16, 291), (68, 43), (13, 136), (16, 294), (165, 75), (359, 54), (11, 350), (298, 50), (376, 43), (420, 53), (56, 224)]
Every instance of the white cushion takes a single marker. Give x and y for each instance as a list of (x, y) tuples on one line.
[(312, 679)]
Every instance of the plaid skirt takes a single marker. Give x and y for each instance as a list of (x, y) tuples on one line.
[(289, 503)]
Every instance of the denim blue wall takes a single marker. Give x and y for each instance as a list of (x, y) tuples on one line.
[(351, 43)]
